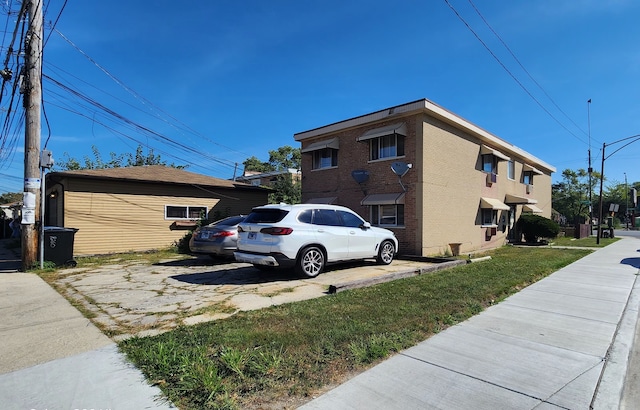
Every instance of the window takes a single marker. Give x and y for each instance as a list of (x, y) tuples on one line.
[(489, 164), (527, 177), (350, 220), (388, 146), (511, 170), (325, 158), (184, 212), (387, 215), (489, 217)]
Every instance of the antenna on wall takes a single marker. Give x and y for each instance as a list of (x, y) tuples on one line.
[(401, 168)]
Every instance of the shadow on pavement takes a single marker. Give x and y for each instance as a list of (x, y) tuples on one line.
[(237, 276), (635, 262)]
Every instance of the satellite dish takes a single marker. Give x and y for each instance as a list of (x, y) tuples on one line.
[(360, 175), (400, 168)]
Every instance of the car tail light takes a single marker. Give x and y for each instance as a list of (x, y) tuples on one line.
[(276, 231), (222, 233)]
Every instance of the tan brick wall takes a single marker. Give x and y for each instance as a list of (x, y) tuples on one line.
[(444, 186)]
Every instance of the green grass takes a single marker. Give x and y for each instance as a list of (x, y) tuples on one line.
[(588, 242), (281, 355)]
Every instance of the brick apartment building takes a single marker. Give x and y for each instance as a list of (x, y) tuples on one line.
[(441, 183)]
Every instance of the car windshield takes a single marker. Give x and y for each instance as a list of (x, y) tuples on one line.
[(266, 216)]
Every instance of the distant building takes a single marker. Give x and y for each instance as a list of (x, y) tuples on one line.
[(441, 183), (267, 179)]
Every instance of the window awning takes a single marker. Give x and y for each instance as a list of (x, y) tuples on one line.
[(485, 150), (531, 208), (317, 146), (400, 128), (492, 203), (383, 199), (326, 200), (527, 167), (515, 199)]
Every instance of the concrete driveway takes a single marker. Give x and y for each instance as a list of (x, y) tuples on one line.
[(135, 298)]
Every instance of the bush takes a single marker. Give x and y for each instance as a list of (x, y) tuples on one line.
[(534, 227)]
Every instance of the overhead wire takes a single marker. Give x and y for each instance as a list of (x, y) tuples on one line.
[(524, 68), (139, 97), (504, 67)]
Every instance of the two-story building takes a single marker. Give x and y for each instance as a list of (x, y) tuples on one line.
[(441, 183)]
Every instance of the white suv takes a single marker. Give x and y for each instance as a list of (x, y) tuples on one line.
[(308, 236)]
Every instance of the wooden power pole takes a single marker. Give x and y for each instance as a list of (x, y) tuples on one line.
[(32, 103)]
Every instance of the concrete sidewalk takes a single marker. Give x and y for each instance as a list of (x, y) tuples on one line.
[(53, 357), (561, 343)]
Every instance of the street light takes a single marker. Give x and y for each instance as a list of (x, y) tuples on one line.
[(604, 145)]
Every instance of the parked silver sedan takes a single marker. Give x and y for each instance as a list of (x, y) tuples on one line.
[(218, 239)]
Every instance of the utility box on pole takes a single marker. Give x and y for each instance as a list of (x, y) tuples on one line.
[(32, 98)]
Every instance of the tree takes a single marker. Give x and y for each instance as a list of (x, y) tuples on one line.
[(283, 158), (287, 189), (115, 160), (10, 197), (571, 196), (254, 164)]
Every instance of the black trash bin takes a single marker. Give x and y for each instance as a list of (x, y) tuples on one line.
[(58, 245)]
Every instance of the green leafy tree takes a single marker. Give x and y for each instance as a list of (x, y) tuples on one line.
[(571, 196), (287, 189), (9, 197), (254, 164), (115, 160)]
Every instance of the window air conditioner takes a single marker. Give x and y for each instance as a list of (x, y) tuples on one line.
[(529, 189), (492, 178)]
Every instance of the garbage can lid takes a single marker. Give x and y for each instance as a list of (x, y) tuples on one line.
[(60, 229)]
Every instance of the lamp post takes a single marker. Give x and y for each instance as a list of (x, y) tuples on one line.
[(604, 146)]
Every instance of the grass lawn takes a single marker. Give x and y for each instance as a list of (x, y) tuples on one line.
[(589, 241), (278, 357)]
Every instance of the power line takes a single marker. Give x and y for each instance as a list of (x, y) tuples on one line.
[(523, 67), (509, 72)]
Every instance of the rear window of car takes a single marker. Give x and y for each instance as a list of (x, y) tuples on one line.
[(258, 216), (231, 221)]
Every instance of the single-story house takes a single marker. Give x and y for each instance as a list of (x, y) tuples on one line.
[(441, 183), (142, 207)]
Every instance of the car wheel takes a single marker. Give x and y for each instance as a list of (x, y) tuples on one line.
[(311, 262), (386, 252)]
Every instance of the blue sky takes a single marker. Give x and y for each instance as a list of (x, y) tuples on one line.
[(218, 82)]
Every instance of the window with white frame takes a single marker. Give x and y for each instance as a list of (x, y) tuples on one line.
[(489, 217), (387, 215), (325, 158), (511, 169), (489, 164), (388, 146), (184, 212)]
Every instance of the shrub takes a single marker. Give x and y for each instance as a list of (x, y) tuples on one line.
[(534, 227)]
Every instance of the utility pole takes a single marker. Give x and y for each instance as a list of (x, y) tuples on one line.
[(32, 98), (590, 169)]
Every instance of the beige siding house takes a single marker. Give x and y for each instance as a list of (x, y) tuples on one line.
[(140, 208), (441, 183)]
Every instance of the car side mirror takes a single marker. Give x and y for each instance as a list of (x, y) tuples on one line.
[(365, 225)]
